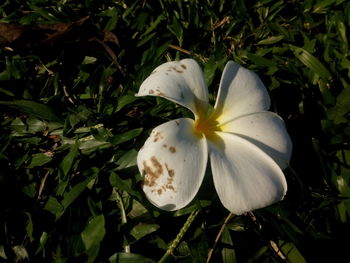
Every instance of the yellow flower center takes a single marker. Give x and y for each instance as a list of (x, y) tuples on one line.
[(206, 124), (207, 127)]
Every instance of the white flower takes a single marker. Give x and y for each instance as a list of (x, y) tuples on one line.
[(248, 146)]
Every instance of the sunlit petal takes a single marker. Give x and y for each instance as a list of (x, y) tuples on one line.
[(240, 92), (245, 177), (173, 161), (267, 131), (179, 81)]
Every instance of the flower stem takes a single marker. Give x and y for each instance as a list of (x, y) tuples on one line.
[(176, 241)]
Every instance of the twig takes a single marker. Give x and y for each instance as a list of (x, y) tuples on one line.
[(179, 236), (111, 53), (42, 185), (210, 253), (277, 250), (185, 51), (220, 23), (67, 94)]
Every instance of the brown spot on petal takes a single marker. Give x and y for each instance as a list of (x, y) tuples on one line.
[(152, 173), (171, 173), (175, 69), (165, 145), (157, 164), (172, 149), (169, 181), (170, 187), (177, 123), (159, 93), (183, 66), (151, 91), (158, 136)]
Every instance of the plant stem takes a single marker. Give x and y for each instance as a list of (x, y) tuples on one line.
[(176, 241), (122, 214), (210, 253)]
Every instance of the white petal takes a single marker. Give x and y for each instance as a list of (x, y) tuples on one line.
[(267, 131), (240, 92), (245, 177), (179, 81), (173, 161)]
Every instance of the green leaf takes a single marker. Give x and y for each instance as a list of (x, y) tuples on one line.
[(344, 190), (94, 232), (210, 69), (35, 109), (112, 23), (342, 107), (53, 206), (89, 146), (270, 40), (138, 210), (18, 126), (68, 161), (228, 253), (126, 185), (39, 159), (142, 229), (237, 224), (89, 60), (43, 240), (2, 252), (129, 258), (124, 101), (8, 93), (127, 160), (27, 126), (176, 28), (197, 205), (311, 62), (76, 190), (153, 25), (322, 4), (21, 252), (261, 61), (291, 252), (30, 189), (124, 137), (92, 235), (35, 125), (29, 227)]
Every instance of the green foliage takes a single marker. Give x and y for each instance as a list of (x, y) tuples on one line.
[(71, 127)]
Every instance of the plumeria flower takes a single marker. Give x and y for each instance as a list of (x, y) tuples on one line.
[(247, 145)]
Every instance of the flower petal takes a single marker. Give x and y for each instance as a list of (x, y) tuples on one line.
[(267, 131), (179, 81), (240, 92), (245, 177), (173, 161)]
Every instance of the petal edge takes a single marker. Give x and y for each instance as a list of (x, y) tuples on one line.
[(173, 161), (267, 131), (179, 81), (240, 92), (244, 176)]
